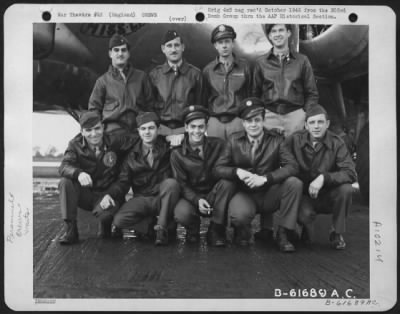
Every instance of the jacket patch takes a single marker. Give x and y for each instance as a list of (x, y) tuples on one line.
[(110, 159)]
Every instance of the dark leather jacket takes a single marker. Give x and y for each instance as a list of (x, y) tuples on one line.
[(286, 86), (137, 173), (175, 91), (119, 101), (225, 90), (331, 159), (104, 169), (194, 173), (272, 159)]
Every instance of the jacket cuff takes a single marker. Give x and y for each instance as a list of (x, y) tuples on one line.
[(270, 178), (327, 178), (76, 174)]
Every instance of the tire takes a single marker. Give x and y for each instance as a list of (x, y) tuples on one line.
[(362, 164)]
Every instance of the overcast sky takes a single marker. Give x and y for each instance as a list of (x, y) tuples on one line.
[(53, 129)]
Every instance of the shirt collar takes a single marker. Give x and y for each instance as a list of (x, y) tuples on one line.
[(270, 54), (218, 63), (186, 147), (182, 67), (306, 140)]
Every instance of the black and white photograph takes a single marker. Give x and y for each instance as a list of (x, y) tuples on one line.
[(200, 157)]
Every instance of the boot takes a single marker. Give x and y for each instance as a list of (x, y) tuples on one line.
[(283, 242), (337, 241), (242, 235), (161, 235), (104, 229), (216, 235), (193, 234), (71, 235)]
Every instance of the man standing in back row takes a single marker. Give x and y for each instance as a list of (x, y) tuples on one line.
[(122, 92), (284, 81), (177, 84), (227, 81)]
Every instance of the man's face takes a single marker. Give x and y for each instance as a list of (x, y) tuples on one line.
[(317, 126), (148, 132), (119, 55), (196, 130), (279, 36), (224, 47), (173, 50), (254, 125), (93, 135)]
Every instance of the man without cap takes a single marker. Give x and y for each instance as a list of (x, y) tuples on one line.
[(89, 167), (147, 171), (177, 84), (122, 92), (204, 194), (283, 79), (227, 81), (327, 171), (264, 170)]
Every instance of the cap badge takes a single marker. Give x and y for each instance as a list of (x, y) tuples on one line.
[(249, 103), (221, 28), (191, 108)]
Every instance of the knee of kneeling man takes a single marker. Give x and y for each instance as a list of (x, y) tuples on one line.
[(65, 182), (345, 189), (170, 184), (294, 182)]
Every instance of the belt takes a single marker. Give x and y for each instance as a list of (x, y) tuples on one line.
[(225, 118), (172, 124)]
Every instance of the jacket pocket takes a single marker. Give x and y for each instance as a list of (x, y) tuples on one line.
[(111, 106)]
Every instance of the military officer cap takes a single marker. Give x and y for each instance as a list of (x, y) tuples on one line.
[(195, 112), (222, 31), (170, 35), (315, 110), (117, 40), (251, 107), (146, 117), (89, 119)]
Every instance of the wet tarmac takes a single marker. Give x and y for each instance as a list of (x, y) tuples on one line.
[(131, 268)]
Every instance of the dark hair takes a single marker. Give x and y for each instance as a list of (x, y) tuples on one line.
[(268, 27)]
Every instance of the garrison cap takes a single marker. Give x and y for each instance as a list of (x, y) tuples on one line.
[(195, 112), (117, 40), (170, 35), (146, 117), (251, 107), (222, 31), (89, 119), (315, 110)]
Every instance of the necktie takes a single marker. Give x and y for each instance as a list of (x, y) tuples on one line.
[(97, 151), (254, 146), (150, 157), (199, 151)]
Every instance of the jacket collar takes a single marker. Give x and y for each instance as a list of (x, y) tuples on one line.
[(271, 54), (217, 63), (327, 140), (183, 68), (105, 145), (116, 73), (158, 145), (187, 148)]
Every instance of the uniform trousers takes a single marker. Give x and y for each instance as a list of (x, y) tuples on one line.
[(282, 199), (335, 200), (73, 195), (289, 123), (187, 214), (139, 211), (223, 130)]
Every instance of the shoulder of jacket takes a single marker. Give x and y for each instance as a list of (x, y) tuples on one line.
[(193, 68)]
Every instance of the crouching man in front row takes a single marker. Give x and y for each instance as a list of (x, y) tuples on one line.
[(264, 169), (203, 193), (89, 167), (147, 171), (327, 171)]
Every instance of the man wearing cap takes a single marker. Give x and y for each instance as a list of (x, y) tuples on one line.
[(147, 171), (283, 79), (227, 81), (90, 165), (264, 170), (122, 92), (203, 193), (327, 172), (177, 84)]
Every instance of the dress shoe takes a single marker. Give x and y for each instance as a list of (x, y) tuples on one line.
[(337, 241), (71, 234), (283, 242), (242, 235)]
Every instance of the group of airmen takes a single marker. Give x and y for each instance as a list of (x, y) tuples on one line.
[(226, 143)]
